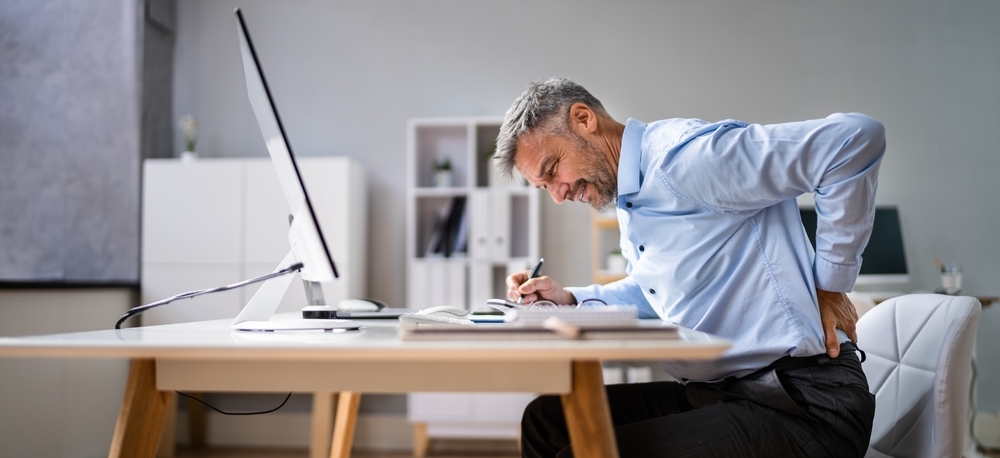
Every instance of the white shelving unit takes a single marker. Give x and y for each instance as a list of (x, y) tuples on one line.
[(500, 216), (500, 222)]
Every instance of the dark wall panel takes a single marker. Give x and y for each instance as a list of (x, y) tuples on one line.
[(70, 140)]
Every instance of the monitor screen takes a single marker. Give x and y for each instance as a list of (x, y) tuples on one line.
[(304, 234), (883, 259)]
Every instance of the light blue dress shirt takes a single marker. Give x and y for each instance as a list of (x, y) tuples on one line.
[(712, 234)]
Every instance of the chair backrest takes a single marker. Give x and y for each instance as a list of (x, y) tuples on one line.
[(919, 367)]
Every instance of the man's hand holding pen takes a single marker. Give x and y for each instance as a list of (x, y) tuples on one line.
[(535, 271), (527, 287)]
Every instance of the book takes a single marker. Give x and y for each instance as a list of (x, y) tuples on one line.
[(507, 332), (596, 317)]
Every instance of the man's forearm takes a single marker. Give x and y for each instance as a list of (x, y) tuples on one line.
[(845, 204)]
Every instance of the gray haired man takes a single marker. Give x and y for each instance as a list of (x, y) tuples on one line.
[(711, 231)]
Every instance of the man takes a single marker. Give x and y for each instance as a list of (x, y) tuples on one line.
[(714, 241)]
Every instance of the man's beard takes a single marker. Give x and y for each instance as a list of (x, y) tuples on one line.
[(595, 175)]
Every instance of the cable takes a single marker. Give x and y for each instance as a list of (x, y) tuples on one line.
[(190, 294), (142, 308), (236, 413)]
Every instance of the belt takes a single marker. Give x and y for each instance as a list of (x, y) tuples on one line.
[(794, 362)]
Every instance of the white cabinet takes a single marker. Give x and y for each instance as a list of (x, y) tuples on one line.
[(462, 258), (437, 282), (214, 222), (469, 415)]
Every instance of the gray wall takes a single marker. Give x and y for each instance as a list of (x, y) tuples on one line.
[(347, 75), (78, 110), (60, 407)]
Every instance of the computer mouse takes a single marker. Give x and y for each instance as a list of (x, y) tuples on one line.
[(444, 310), (360, 305)]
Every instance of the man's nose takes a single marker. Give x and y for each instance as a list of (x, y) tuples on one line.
[(558, 193)]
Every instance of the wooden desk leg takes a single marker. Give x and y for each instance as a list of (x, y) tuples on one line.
[(197, 421), (168, 440), (421, 442), (587, 414), (343, 426), (322, 424), (142, 415)]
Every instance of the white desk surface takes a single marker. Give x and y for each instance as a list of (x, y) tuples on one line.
[(208, 356), (213, 340)]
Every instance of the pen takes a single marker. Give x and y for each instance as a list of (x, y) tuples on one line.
[(534, 273)]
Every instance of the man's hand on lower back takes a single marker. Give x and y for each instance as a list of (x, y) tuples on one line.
[(836, 312)]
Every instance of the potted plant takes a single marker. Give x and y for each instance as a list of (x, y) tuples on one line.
[(616, 262), (442, 173), (189, 128)]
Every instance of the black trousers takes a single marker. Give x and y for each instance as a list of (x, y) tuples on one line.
[(797, 407)]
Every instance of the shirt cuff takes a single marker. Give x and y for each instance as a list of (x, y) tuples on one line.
[(620, 292), (582, 293), (836, 278)]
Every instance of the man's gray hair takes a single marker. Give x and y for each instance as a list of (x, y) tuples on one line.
[(545, 105)]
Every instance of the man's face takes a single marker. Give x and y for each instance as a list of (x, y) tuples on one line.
[(568, 167)]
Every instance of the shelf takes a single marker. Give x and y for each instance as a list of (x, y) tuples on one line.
[(604, 238), (436, 143), (604, 277), (605, 223)]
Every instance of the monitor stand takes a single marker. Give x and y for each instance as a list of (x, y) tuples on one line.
[(256, 315)]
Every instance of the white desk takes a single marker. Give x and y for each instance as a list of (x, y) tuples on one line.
[(207, 356)]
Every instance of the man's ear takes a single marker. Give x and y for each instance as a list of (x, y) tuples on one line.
[(582, 119)]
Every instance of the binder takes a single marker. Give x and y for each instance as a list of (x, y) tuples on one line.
[(450, 230)]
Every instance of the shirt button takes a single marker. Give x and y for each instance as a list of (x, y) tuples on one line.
[(642, 248), (652, 291), (628, 204)]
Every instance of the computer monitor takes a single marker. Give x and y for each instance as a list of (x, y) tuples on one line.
[(883, 259), (304, 235)]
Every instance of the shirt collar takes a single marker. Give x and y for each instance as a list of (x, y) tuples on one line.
[(630, 157)]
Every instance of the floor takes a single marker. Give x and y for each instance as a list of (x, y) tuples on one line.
[(235, 452), (280, 453), (439, 448)]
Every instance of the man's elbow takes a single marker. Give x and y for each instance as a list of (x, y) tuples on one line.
[(867, 133), (871, 129)]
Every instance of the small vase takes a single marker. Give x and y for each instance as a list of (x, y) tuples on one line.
[(442, 178), (188, 156), (616, 263)]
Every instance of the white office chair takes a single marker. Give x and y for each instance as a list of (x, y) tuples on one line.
[(919, 367)]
